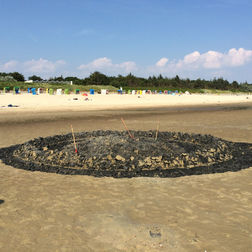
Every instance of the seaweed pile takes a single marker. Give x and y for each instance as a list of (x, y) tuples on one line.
[(115, 154)]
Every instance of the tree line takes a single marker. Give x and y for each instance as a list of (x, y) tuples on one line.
[(131, 81)]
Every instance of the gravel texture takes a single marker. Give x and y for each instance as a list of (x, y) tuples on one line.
[(115, 154)]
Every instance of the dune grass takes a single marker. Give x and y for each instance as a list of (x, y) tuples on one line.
[(25, 86)]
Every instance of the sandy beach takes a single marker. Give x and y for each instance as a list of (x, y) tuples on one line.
[(51, 212), (46, 102)]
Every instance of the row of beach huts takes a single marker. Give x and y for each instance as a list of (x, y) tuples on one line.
[(51, 91)]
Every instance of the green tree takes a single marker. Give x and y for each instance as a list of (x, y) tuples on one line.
[(17, 76), (35, 78), (235, 85), (75, 80), (98, 78)]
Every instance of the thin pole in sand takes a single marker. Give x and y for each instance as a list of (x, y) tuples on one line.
[(125, 126), (75, 147), (157, 130)]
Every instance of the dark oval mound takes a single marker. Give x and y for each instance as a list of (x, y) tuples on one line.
[(115, 154)]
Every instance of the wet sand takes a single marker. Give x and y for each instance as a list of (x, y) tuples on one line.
[(50, 212)]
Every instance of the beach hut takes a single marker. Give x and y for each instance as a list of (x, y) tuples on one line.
[(59, 91), (16, 90), (66, 91), (91, 91), (133, 92), (40, 90), (33, 90), (51, 91), (119, 91), (103, 91), (77, 91)]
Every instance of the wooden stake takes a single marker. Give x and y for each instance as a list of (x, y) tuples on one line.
[(75, 147), (127, 128), (157, 130)]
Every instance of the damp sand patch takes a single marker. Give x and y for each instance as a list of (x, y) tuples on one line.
[(115, 154)]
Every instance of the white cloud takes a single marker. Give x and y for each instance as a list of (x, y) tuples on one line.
[(191, 58), (128, 66), (212, 59), (195, 64), (162, 62), (208, 60), (98, 63), (217, 60), (42, 66), (9, 66), (107, 66), (239, 57)]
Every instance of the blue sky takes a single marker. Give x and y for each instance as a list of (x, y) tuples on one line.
[(194, 39)]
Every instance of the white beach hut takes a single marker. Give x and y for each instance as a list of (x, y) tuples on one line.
[(103, 91), (59, 91)]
